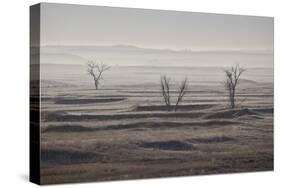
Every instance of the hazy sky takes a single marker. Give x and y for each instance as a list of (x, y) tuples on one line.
[(91, 25)]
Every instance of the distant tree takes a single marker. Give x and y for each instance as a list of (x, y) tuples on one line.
[(165, 89), (96, 70), (182, 92), (232, 78)]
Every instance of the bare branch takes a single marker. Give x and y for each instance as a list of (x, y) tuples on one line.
[(165, 89), (182, 91), (96, 70)]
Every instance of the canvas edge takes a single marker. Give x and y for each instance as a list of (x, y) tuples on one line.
[(34, 94)]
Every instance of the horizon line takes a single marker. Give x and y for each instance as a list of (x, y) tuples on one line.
[(160, 49)]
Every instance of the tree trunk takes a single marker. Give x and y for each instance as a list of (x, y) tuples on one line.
[(97, 85), (176, 107), (233, 99)]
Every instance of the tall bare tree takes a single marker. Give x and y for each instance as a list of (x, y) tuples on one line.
[(96, 70), (182, 91), (165, 89), (232, 77)]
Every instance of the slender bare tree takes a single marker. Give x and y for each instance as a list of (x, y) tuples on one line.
[(96, 70), (165, 89), (232, 77), (182, 91)]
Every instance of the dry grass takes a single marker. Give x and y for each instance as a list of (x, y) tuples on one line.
[(138, 138)]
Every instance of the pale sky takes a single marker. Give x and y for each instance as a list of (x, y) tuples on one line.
[(94, 25)]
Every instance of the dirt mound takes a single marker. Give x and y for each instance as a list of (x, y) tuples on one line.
[(264, 110), (136, 126), (169, 145), (86, 117), (87, 101), (230, 114), (244, 112), (179, 108), (67, 128), (64, 156), (211, 140)]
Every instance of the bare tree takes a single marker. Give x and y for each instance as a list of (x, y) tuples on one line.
[(232, 77), (182, 91), (165, 89), (96, 70)]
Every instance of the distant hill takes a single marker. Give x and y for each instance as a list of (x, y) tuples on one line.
[(129, 55), (121, 47)]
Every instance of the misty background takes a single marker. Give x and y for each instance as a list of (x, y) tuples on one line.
[(154, 42)]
